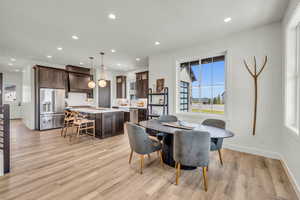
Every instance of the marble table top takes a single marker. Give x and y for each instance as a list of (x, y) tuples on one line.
[(214, 132)]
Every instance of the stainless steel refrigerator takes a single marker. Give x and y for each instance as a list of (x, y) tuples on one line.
[(52, 105)]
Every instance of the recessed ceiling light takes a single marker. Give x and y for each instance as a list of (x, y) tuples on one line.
[(10, 64), (137, 59), (119, 64), (157, 43), (75, 37), (49, 56), (59, 48), (113, 50), (228, 19), (112, 16), (81, 63), (12, 59)]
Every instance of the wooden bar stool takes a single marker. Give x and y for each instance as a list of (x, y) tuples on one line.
[(83, 126), (68, 122)]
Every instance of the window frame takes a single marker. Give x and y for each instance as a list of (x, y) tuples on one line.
[(292, 63), (187, 98), (177, 88)]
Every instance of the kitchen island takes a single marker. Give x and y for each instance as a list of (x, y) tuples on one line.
[(108, 121)]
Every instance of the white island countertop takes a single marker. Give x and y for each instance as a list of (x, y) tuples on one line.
[(95, 110)]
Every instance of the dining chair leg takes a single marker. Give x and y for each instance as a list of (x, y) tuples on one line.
[(204, 170), (130, 157), (161, 158), (142, 163), (220, 156), (177, 173)]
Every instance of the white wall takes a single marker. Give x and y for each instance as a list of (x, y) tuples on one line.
[(14, 78), (28, 97), (290, 142), (240, 91)]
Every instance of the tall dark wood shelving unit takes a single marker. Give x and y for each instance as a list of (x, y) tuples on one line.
[(164, 106), (5, 136)]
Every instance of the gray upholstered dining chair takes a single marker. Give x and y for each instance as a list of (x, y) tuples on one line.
[(191, 148), (141, 143), (216, 143), (165, 118)]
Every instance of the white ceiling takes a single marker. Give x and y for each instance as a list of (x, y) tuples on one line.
[(32, 29)]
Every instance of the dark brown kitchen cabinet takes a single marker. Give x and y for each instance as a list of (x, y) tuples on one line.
[(76, 69), (108, 124), (142, 84), (142, 114), (112, 124), (79, 82), (51, 78), (121, 87)]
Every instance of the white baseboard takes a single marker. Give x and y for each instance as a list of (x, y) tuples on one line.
[(254, 151), (290, 177), (272, 155)]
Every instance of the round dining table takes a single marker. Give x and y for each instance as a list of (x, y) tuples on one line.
[(169, 131)]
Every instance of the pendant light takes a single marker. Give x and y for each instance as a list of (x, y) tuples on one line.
[(102, 81), (92, 83)]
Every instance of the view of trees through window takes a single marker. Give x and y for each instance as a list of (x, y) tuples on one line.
[(207, 81)]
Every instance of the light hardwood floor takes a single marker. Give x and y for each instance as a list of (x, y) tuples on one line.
[(46, 167)]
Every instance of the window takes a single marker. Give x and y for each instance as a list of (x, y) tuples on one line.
[(292, 80), (205, 79), (184, 96)]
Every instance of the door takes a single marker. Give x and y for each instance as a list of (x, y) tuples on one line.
[(46, 101), (59, 101), (104, 96)]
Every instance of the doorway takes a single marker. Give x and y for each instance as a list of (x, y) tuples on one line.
[(12, 93)]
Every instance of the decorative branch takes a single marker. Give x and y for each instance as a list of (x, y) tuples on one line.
[(247, 67), (255, 76), (266, 59)]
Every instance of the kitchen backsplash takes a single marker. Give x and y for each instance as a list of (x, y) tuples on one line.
[(127, 102), (79, 99)]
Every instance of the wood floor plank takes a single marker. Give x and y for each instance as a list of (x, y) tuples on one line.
[(46, 166)]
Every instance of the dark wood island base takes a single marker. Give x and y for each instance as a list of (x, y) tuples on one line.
[(108, 124)]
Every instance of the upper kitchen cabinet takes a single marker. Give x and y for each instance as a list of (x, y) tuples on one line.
[(121, 87), (142, 84), (51, 77), (76, 69), (78, 79), (79, 82)]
